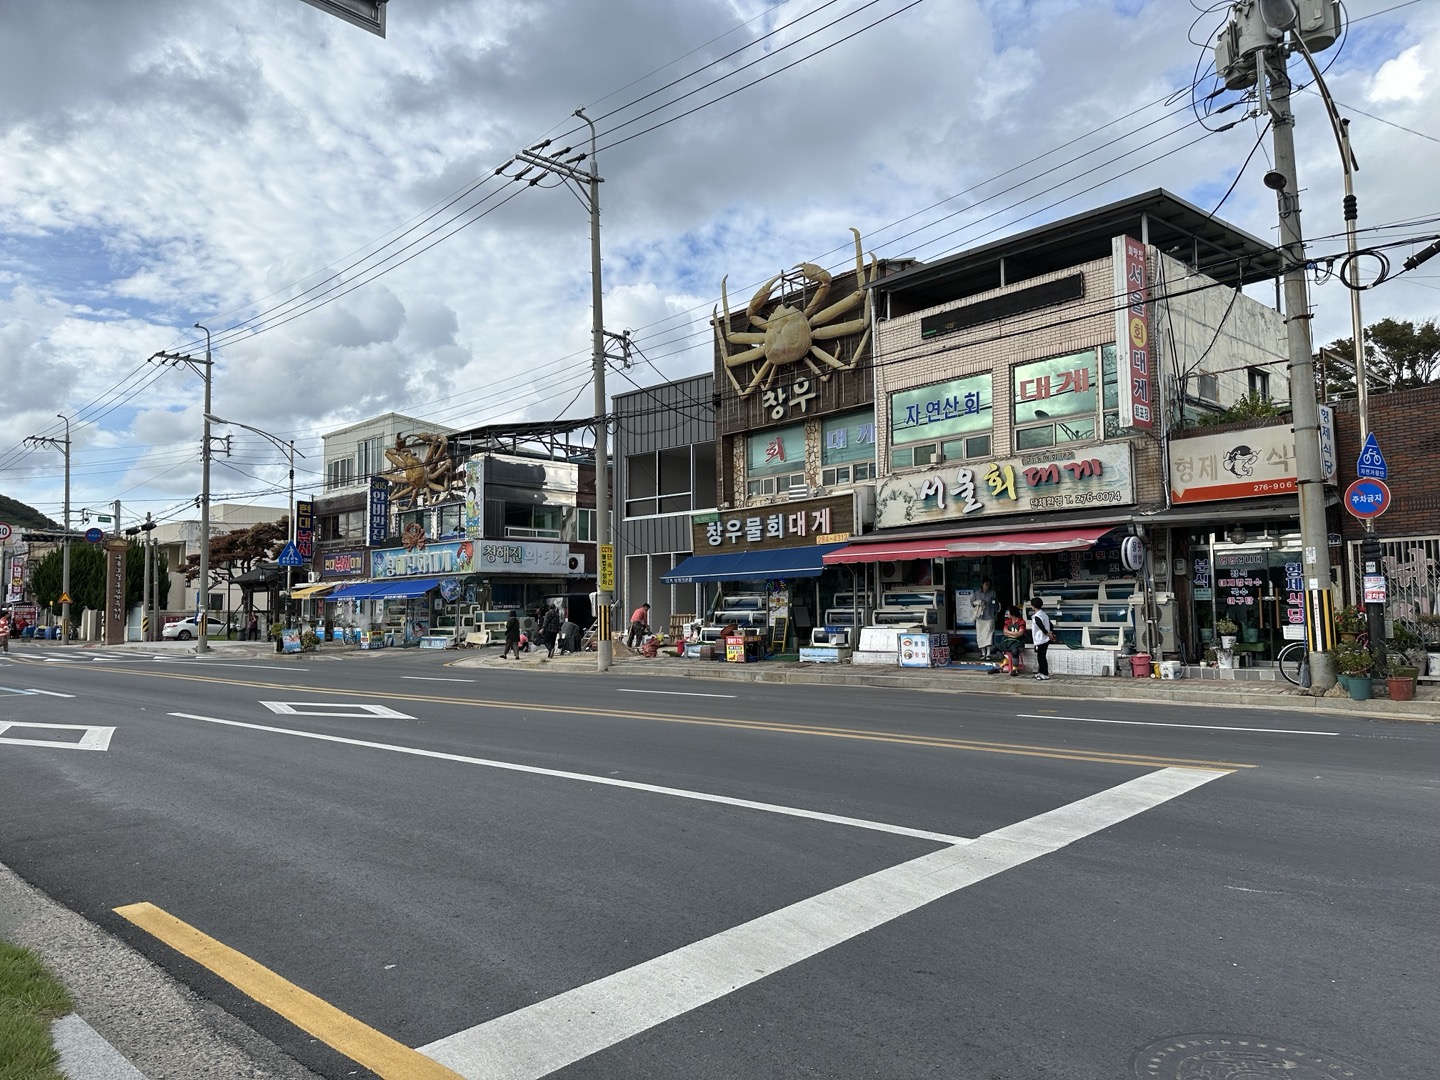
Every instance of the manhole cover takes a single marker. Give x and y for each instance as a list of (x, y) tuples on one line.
[(1238, 1057)]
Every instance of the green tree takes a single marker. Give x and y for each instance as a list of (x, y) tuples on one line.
[(87, 577), (1398, 356), (1253, 406), (239, 551)]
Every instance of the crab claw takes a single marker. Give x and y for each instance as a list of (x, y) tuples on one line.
[(814, 273), (759, 300)]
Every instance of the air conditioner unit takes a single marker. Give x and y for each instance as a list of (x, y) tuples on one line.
[(889, 571), (575, 564)]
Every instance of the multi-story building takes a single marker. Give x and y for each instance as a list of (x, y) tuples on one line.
[(1026, 391), (664, 473)]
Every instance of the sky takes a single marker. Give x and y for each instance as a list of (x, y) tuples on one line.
[(326, 201)]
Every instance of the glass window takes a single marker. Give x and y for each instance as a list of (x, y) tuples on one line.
[(370, 455), (1207, 387), (586, 525), (777, 450), (449, 520), (959, 449), (704, 497), (957, 407), (1066, 399), (1259, 382), (847, 438)]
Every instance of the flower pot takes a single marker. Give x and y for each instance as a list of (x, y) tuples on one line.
[(1359, 687), (1401, 688), (1227, 641)]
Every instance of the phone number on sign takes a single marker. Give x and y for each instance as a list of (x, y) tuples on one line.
[(1084, 498)]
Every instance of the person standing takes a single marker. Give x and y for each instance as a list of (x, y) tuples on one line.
[(550, 629), (252, 627), (639, 626), (987, 606), (1044, 633), (4, 631), (512, 636)]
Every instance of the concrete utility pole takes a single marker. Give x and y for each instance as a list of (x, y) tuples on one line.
[(64, 444), (203, 368), (587, 189), (1309, 477)]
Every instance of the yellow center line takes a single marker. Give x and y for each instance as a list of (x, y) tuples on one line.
[(1104, 757), (361, 1043)]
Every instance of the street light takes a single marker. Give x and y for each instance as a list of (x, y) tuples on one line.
[(288, 447)]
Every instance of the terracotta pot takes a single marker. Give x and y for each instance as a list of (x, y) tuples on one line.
[(1401, 688)]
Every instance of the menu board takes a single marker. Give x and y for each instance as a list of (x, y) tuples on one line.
[(735, 650), (914, 650)]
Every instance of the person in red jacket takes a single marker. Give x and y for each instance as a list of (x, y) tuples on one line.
[(639, 626)]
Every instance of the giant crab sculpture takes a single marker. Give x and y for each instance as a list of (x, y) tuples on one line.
[(790, 334), (416, 477)]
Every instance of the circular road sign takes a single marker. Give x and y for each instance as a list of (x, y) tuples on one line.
[(1367, 498), (4, 530), (94, 536)]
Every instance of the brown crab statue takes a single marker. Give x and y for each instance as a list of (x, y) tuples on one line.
[(417, 476), (788, 335)]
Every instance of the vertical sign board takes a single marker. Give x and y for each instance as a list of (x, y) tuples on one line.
[(305, 529), (1132, 334), (15, 588), (115, 592), (474, 498), (379, 511), (606, 575)]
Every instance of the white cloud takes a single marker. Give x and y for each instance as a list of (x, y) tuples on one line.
[(169, 162)]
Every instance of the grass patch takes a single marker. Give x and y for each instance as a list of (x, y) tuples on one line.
[(30, 998)]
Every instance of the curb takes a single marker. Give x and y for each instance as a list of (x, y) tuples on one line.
[(85, 1054)]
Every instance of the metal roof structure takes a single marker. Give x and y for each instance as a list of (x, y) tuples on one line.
[(1176, 227)]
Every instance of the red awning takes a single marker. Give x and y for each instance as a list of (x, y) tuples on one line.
[(893, 550), (1075, 539)]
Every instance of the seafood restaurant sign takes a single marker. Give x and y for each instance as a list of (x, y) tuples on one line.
[(498, 557), (1088, 477)]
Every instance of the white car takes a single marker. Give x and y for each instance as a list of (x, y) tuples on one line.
[(185, 629)]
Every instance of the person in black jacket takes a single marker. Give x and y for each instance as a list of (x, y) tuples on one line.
[(550, 629), (512, 636)]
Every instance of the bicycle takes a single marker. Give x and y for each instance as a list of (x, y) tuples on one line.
[(1294, 660)]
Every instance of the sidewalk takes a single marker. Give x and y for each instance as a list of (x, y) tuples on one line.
[(1255, 694)]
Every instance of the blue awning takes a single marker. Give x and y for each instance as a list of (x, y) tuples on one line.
[(792, 562), (361, 590), (406, 588)]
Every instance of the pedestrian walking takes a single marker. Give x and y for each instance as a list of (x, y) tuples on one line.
[(986, 606), (1044, 633), (639, 626), (550, 630), (512, 636)]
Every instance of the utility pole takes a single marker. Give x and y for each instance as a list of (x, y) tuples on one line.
[(587, 190), (203, 368), (1309, 477), (64, 444)]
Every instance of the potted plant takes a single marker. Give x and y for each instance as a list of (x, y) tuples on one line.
[(1208, 660), (1227, 629), (277, 635), (1355, 664), (1350, 623), (1430, 629), (309, 641)]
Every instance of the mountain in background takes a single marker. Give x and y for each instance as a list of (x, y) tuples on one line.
[(21, 517)]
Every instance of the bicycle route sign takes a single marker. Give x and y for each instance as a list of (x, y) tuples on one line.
[(1367, 498), (1371, 464)]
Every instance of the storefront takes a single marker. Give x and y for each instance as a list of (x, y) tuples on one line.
[(765, 568)]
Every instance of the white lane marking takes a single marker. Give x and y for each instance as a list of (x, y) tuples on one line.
[(95, 738), (1158, 723), (542, 1038), (671, 693), (13, 690), (333, 708), (608, 781), (433, 678), (52, 693), (59, 660)]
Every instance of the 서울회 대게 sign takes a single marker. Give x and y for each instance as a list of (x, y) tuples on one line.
[(1088, 477)]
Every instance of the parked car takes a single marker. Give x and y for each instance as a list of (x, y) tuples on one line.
[(185, 629)]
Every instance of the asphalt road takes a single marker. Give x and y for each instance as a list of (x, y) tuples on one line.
[(530, 873)]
